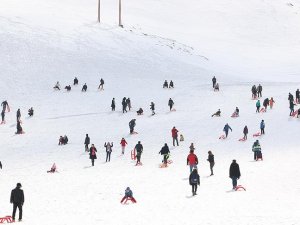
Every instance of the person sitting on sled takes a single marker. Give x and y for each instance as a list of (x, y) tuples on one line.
[(218, 113), (140, 111), (237, 112), (53, 169), (128, 195)]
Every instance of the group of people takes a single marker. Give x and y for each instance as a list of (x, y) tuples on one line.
[(171, 85), (256, 91), (293, 103)]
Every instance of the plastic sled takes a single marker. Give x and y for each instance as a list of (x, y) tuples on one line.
[(222, 136), (163, 165), (7, 219), (234, 115), (139, 164), (173, 110), (257, 134), (262, 110), (240, 187), (2, 122), (259, 156), (295, 114), (242, 139)]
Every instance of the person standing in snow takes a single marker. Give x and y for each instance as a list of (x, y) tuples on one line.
[(256, 148), (152, 107), (18, 115), (165, 85), (86, 142), (297, 96), (2, 117), (30, 112), (75, 81), (132, 125), (101, 85), (266, 103), (93, 155), (194, 180), (254, 91), (174, 132), (113, 105), (211, 160), (259, 90), (68, 87), (165, 152), (291, 97), (139, 150), (271, 102), (19, 128), (84, 88), (17, 199), (128, 194), (226, 129), (257, 106), (214, 81), (124, 105), (192, 160), (128, 103), (218, 113), (292, 105), (108, 148), (234, 173), (123, 144), (171, 85), (4, 104), (245, 132), (57, 86), (262, 127), (170, 104)]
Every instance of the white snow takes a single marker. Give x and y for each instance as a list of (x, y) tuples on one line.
[(240, 42)]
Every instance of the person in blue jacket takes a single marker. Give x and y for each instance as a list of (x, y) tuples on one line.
[(262, 127), (128, 194), (226, 129)]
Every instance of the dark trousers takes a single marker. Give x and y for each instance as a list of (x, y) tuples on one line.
[(214, 83), (259, 93), (292, 111), (262, 130), (138, 157), (257, 108), (255, 155), (194, 188), (171, 106), (131, 129), (124, 109), (108, 156), (19, 206), (234, 182), (113, 108), (86, 147), (165, 160), (226, 133), (93, 160), (245, 136), (175, 139), (211, 165)]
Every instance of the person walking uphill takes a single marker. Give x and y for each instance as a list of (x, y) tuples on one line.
[(86, 142), (256, 148), (192, 160), (226, 129), (108, 148), (93, 155), (175, 136), (132, 125), (234, 173), (113, 105), (123, 144), (214, 81), (139, 150), (194, 180), (211, 160), (17, 199), (262, 127), (165, 153), (170, 104), (257, 106), (245, 131)]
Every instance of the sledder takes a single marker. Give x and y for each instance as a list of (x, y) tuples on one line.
[(128, 196), (245, 132), (165, 152), (3, 117), (139, 150), (256, 148), (236, 113), (19, 128), (53, 169)]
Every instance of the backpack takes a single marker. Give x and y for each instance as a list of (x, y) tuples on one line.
[(194, 178)]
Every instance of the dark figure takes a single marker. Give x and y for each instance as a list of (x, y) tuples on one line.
[(211, 160), (237, 111), (18, 115), (175, 136), (170, 104), (4, 104), (2, 116), (57, 86), (128, 194), (165, 152), (245, 131), (256, 148), (194, 180), (171, 85), (214, 81), (113, 105), (259, 90), (291, 108), (257, 106), (226, 129), (165, 85), (152, 107), (19, 128), (297, 96), (254, 91), (84, 88), (192, 147), (132, 125), (298, 113), (68, 88), (124, 105), (30, 111), (234, 173), (17, 199), (140, 111), (108, 148), (266, 103), (128, 103), (75, 81), (271, 102), (139, 150), (291, 97), (217, 87), (218, 113), (262, 127), (63, 140), (53, 169), (0, 165), (86, 142), (101, 85), (93, 155)]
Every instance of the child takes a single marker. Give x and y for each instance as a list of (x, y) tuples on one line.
[(128, 195)]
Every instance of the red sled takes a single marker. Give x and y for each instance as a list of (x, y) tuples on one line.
[(259, 156), (294, 114), (234, 115), (173, 110), (257, 134), (7, 219), (2, 122), (242, 139), (240, 187), (262, 110), (132, 199), (222, 137), (133, 154)]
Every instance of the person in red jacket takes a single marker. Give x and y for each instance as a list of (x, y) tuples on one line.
[(123, 144), (192, 160), (175, 136)]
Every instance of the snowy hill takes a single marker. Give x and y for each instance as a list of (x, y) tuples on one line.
[(241, 43)]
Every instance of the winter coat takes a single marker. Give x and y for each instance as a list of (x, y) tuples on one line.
[(139, 148), (194, 178), (214, 80), (108, 147), (17, 196), (245, 131), (192, 159), (234, 170), (132, 123), (266, 102), (259, 88), (93, 151), (113, 104), (87, 140), (164, 150), (297, 94), (262, 125), (226, 128), (211, 158), (128, 193), (256, 147), (174, 133), (291, 97), (123, 143), (258, 104), (171, 102)]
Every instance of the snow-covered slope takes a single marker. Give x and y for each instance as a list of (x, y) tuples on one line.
[(45, 41)]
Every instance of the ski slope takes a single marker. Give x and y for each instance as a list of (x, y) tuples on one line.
[(42, 42)]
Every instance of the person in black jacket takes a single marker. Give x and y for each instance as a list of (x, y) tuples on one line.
[(266, 102), (17, 199), (87, 142), (4, 104), (152, 107), (0, 165), (234, 173), (245, 131), (171, 103), (297, 96), (165, 85), (124, 104), (84, 88), (211, 160), (113, 105), (101, 85), (194, 180), (132, 125), (75, 81), (30, 111), (259, 91), (139, 150), (214, 81), (171, 85), (165, 151)]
